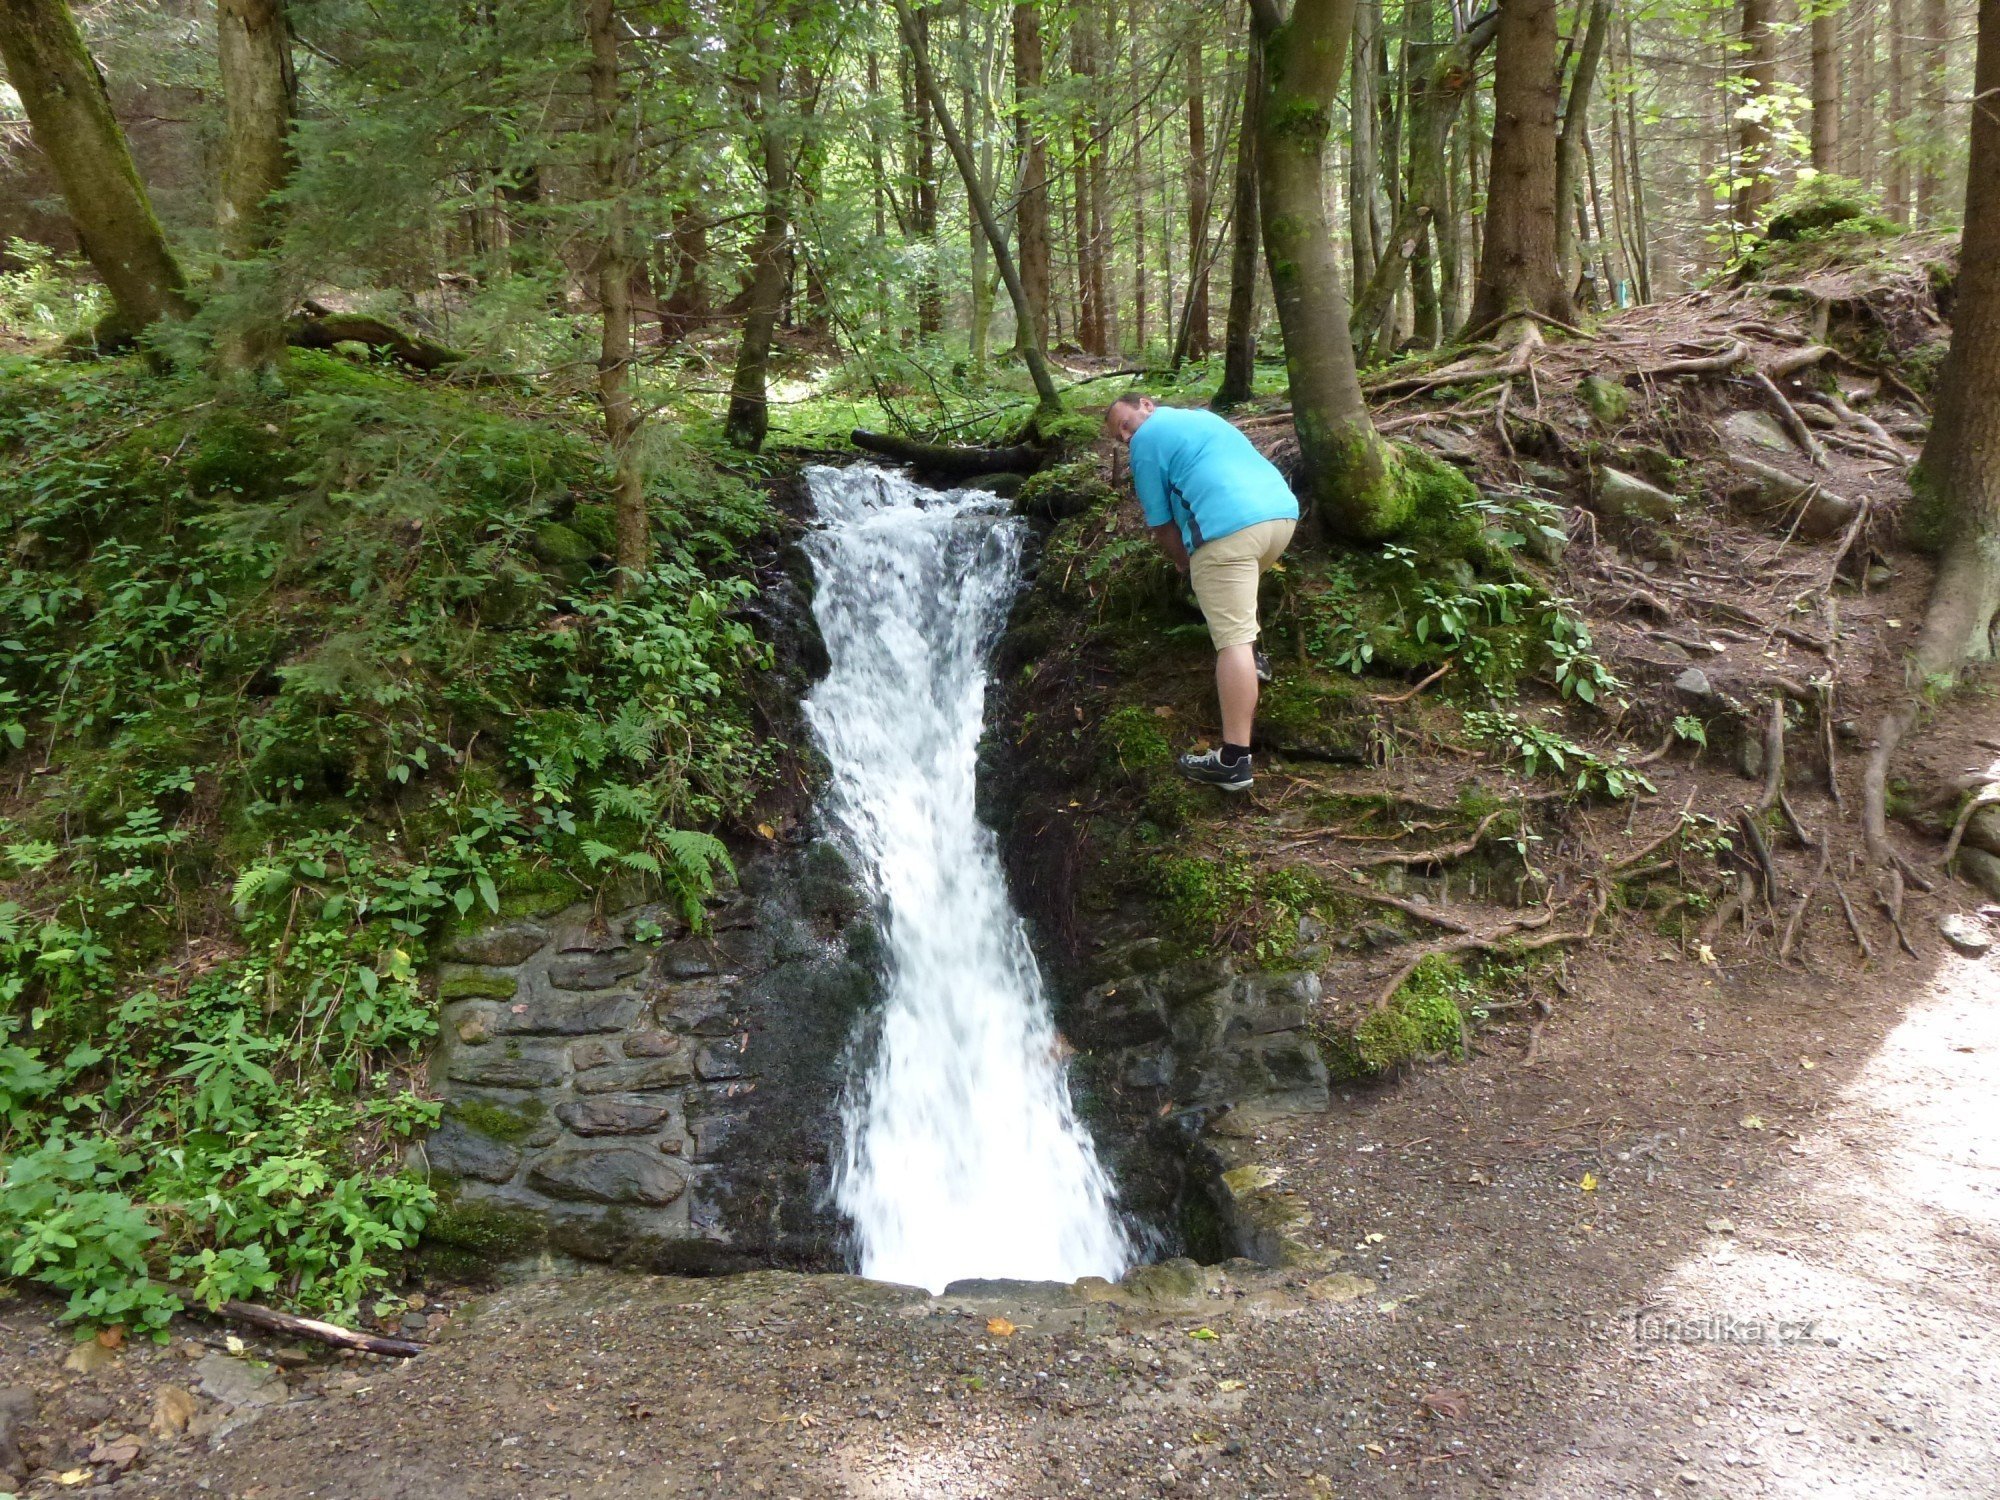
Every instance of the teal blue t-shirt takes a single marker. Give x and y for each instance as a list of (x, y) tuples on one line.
[(1195, 469)]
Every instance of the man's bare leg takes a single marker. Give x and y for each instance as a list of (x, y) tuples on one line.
[(1236, 687)]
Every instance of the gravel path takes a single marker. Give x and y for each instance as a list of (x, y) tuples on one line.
[(1733, 1232)]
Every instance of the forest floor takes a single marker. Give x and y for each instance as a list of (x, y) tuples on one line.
[(1712, 1207), (1774, 1284)]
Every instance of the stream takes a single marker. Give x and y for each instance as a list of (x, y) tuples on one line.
[(961, 1154)]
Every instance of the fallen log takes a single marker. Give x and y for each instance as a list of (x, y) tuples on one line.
[(259, 1316), (949, 460), (318, 328)]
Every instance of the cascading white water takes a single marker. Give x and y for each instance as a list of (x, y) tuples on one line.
[(962, 1156)]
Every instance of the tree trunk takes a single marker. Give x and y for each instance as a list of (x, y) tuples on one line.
[(1958, 478), (1135, 171), (1351, 481), (687, 303), (1754, 163), (1896, 191), (254, 51), (1196, 341), (1641, 251), (1089, 272), (968, 170), (70, 114), (1031, 212), (930, 297), (1936, 113), (1239, 339), (612, 167), (748, 420), (1518, 272), (1826, 99), (1957, 481), (1363, 159), (1441, 76), (1569, 144)]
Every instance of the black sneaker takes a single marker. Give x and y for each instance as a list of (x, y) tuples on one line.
[(1208, 769), (1263, 667)]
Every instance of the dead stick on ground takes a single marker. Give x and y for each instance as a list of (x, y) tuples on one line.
[(1673, 830), (258, 1316), (1406, 697)]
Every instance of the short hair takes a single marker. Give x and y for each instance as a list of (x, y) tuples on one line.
[(1129, 398)]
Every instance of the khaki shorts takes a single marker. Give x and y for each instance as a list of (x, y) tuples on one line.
[(1224, 573)]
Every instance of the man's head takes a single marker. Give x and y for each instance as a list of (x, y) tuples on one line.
[(1126, 413)]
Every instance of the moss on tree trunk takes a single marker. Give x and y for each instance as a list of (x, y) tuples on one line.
[(70, 113)]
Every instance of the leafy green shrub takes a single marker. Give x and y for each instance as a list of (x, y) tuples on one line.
[(301, 695), (1540, 749)]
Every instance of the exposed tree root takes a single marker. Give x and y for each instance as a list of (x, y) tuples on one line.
[(1507, 939)]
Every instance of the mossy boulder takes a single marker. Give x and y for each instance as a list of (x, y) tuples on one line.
[(1066, 490), (1422, 1019), (562, 546), (1609, 401)]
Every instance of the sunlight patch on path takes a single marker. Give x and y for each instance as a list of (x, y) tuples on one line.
[(1845, 1339)]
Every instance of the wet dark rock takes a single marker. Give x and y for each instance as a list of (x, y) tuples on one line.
[(722, 1058), (616, 1174), (17, 1410), (700, 1007), (566, 1015), (595, 971), (612, 1116), (690, 958), (456, 1150), (636, 1077), (652, 1044)]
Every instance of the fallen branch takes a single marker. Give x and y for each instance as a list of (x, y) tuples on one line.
[(1406, 697), (318, 327), (950, 460), (258, 1316)]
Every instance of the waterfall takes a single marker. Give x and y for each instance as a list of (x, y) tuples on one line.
[(961, 1154)]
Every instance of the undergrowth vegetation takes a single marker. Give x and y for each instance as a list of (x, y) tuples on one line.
[(288, 685)]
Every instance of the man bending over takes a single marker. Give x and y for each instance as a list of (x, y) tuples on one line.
[(1219, 509)]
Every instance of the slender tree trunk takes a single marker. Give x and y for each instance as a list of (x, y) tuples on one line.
[(982, 207), (1569, 144), (1197, 208), (687, 302), (611, 161), (70, 114), (1031, 212), (1896, 194), (930, 296), (1640, 252), (748, 420), (1936, 113), (1239, 340), (1826, 99), (254, 53), (1856, 142), (1363, 162), (1135, 171), (1518, 272), (1350, 475), (1754, 163)]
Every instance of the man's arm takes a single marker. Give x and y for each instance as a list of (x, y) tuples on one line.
[(1169, 539)]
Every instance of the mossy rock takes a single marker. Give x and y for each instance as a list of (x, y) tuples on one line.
[(1822, 213), (1133, 741), (1064, 431), (598, 525), (496, 1121), (562, 546), (1326, 719), (1439, 509), (1609, 401), (471, 1237), (455, 983), (1421, 1019), (1067, 490)]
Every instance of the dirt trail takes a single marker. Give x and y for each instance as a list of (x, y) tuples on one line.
[(1828, 1232)]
